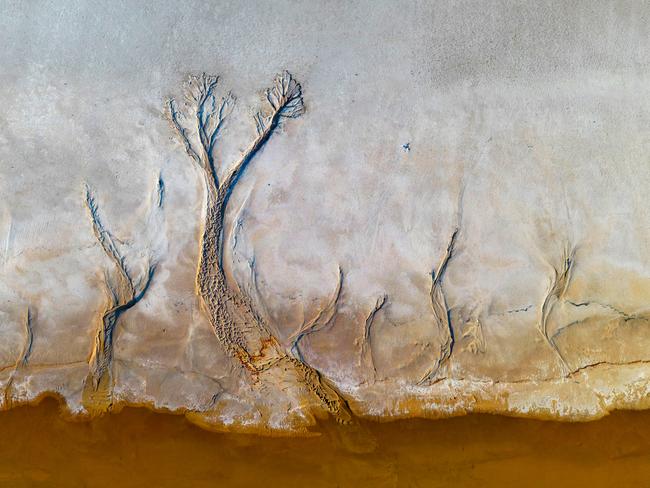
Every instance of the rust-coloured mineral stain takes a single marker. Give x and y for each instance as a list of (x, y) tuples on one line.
[(137, 447)]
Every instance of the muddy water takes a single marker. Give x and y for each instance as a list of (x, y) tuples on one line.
[(137, 447)]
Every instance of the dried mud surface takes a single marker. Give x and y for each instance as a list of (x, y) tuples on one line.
[(264, 215)]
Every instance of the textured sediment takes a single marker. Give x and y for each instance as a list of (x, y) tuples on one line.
[(265, 227)]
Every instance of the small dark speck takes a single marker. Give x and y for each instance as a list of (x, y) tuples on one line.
[(406, 146)]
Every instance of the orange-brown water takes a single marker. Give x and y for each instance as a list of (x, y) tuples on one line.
[(137, 447)]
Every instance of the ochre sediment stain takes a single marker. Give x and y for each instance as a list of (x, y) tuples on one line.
[(137, 447)]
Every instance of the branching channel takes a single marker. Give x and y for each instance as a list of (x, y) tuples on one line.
[(241, 331), (320, 321), (122, 293), (557, 289), (366, 344), (441, 312), (23, 359)]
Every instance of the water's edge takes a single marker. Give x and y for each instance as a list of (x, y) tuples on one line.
[(138, 447)]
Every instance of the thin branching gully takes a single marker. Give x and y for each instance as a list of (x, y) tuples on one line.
[(123, 291)]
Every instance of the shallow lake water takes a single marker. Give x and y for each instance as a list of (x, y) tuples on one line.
[(137, 447)]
